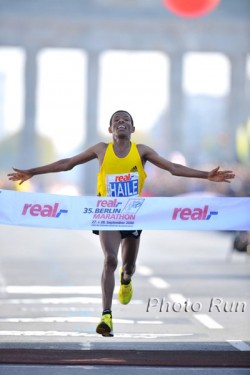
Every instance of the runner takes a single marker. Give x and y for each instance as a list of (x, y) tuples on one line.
[(121, 174)]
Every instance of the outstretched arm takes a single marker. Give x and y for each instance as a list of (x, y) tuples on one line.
[(58, 166), (148, 154)]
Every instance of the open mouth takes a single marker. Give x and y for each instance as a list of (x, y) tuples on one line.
[(121, 127)]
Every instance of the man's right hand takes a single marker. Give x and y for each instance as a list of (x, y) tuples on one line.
[(19, 175)]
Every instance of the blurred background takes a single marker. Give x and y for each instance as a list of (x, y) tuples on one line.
[(66, 66)]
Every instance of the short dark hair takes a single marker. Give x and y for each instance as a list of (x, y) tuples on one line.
[(121, 110)]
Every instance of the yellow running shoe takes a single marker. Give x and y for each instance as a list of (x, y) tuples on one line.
[(125, 292), (105, 327)]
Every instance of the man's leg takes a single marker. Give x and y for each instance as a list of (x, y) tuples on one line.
[(130, 248), (110, 242)]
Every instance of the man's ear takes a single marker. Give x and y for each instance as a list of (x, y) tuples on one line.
[(133, 129), (110, 129)]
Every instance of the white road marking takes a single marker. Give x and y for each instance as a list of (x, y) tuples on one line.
[(154, 322), (61, 301), (240, 345), (86, 345), (53, 289), (73, 319), (56, 309), (2, 284), (144, 270), (207, 321), (84, 334), (158, 282), (57, 319), (203, 318)]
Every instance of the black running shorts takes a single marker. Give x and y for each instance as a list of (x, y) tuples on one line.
[(125, 233)]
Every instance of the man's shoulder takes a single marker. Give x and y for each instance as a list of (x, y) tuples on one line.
[(142, 147), (101, 146), (145, 151), (100, 149)]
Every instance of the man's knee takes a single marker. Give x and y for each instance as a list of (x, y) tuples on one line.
[(111, 261)]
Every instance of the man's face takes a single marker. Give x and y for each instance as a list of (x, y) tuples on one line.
[(121, 125)]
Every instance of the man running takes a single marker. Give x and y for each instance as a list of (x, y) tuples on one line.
[(121, 174)]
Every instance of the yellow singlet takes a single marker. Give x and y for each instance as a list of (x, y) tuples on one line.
[(121, 177)]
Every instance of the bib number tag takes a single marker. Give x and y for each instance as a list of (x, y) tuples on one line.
[(122, 185)]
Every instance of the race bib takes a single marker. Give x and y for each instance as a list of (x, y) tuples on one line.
[(122, 185)]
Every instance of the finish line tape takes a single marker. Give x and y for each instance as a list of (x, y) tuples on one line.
[(126, 213)]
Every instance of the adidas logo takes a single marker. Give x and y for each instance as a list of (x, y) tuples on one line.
[(134, 169)]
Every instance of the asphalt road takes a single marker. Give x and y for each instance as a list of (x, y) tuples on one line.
[(191, 300)]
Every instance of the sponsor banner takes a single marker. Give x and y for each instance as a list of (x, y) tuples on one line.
[(123, 213)]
